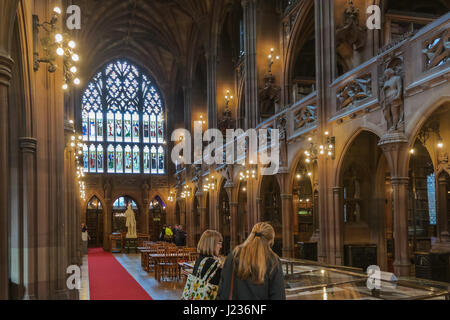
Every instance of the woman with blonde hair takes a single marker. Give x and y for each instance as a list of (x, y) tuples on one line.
[(253, 271), (209, 247)]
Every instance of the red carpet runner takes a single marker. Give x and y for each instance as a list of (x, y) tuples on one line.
[(108, 280)]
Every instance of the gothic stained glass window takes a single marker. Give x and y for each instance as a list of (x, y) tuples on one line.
[(118, 104)]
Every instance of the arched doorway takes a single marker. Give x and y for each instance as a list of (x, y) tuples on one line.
[(157, 213), (242, 227), (303, 205), (366, 206), (443, 198), (118, 214), (224, 218), (208, 223), (94, 221), (271, 209)]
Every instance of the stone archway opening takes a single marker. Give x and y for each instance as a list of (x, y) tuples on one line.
[(366, 205), (224, 218), (157, 219), (242, 224), (271, 209), (118, 218), (94, 222)]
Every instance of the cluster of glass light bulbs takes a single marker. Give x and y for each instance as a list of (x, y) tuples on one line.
[(247, 174), (171, 198), (77, 145), (186, 193), (327, 149), (209, 184), (65, 48)]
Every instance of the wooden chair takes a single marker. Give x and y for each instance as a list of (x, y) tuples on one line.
[(168, 266)]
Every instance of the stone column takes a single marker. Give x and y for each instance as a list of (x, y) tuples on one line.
[(339, 218), (250, 65), (288, 225), (211, 76), (325, 66), (233, 225), (190, 226), (28, 149), (402, 264), (5, 77), (315, 236), (257, 217)]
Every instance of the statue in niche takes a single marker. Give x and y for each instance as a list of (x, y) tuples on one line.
[(350, 37), (130, 223), (269, 97), (226, 122), (391, 99)]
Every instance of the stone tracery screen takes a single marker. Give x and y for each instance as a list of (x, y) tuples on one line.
[(123, 122)]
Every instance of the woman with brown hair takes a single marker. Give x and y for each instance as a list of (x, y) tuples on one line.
[(253, 271)]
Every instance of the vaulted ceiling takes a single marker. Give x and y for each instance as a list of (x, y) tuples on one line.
[(160, 35)]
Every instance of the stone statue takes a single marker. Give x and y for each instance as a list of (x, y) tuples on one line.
[(391, 100), (130, 223), (269, 97)]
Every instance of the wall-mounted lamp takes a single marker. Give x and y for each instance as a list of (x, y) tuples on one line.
[(210, 183), (327, 148), (55, 43), (272, 57)]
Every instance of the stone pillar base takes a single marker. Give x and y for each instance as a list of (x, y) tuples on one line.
[(402, 269)]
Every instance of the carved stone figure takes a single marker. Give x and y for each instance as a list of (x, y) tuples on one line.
[(305, 116), (269, 97), (226, 122), (130, 223), (356, 90), (391, 99), (350, 37)]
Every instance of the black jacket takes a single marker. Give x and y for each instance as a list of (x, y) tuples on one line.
[(208, 263), (180, 237), (272, 289)]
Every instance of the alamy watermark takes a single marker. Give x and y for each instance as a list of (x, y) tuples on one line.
[(73, 282), (260, 147)]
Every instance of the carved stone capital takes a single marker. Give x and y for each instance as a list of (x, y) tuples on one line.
[(400, 181), (28, 144), (286, 196), (6, 64)]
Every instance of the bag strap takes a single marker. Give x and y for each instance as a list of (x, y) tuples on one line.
[(232, 282), (200, 267), (210, 273)]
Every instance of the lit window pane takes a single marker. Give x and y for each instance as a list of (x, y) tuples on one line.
[(153, 128), (146, 160), (92, 159), (136, 166), (161, 128), (127, 127), (99, 126), (111, 159), (161, 160), (92, 134), (85, 125), (119, 159), (119, 131), (100, 159), (128, 160), (146, 128), (154, 160), (86, 158), (135, 128), (110, 126)]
